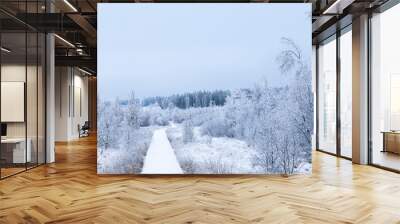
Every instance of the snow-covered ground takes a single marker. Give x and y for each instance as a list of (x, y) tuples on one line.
[(162, 150), (160, 157), (123, 157), (304, 168), (208, 155)]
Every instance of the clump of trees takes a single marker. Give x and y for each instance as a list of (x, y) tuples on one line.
[(187, 100), (278, 122), (122, 143)]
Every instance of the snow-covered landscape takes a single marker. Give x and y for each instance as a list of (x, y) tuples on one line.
[(205, 89), (257, 130)]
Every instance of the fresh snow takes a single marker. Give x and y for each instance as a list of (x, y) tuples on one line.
[(234, 155), (160, 157)]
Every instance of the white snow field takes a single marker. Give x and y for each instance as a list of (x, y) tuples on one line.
[(207, 155), (160, 157)]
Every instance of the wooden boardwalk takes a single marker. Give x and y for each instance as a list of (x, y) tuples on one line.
[(160, 157)]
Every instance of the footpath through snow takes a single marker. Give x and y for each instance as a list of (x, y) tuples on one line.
[(160, 157)]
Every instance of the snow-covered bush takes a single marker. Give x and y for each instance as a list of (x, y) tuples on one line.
[(144, 118), (154, 115), (217, 127), (239, 113), (217, 166), (178, 115), (175, 136), (126, 158), (188, 165)]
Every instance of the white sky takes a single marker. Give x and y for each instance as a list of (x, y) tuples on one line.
[(163, 49)]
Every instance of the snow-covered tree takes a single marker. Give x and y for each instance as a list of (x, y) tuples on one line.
[(132, 114), (132, 117), (109, 123), (301, 98), (188, 131)]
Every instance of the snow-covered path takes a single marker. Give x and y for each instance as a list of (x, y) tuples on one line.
[(160, 157)]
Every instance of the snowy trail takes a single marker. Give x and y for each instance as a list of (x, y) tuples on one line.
[(160, 157)]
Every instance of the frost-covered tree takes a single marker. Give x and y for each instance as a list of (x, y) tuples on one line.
[(267, 126), (301, 98), (188, 131), (104, 126), (109, 121), (277, 121), (132, 117), (237, 113), (118, 118), (133, 111)]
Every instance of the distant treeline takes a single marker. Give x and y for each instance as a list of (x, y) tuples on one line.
[(186, 100)]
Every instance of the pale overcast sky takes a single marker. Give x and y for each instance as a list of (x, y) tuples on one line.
[(163, 49)]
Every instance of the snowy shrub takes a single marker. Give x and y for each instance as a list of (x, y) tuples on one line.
[(125, 159), (122, 142), (240, 113), (206, 139), (154, 115), (117, 161), (144, 119), (289, 156), (178, 116), (160, 120), (174, 136), (217, 166), (265, 158), (217, 127), (188, 165), (200, 115)]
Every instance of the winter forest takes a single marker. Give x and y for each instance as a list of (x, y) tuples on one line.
[(262, 129)]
